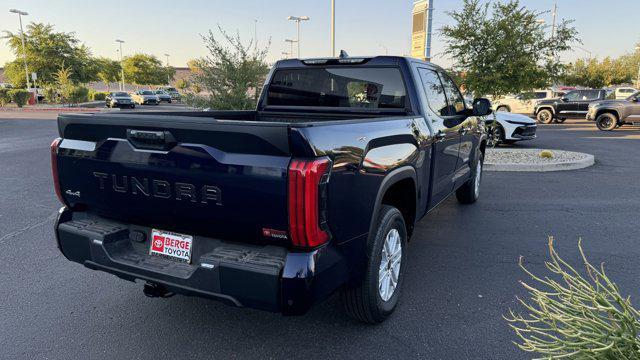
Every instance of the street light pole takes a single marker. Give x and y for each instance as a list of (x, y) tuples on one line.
[(333, 28), (121, 67), (290, 41), (638, 79), (168, 79), (298, 19), (24, 50)]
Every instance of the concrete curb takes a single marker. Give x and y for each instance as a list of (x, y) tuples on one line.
[(588, 160), (59, 110)]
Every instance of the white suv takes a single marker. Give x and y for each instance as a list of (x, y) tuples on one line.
[(524, 103)]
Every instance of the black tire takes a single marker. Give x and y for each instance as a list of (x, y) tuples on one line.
[(133, 106), (560, 120), (363, 301), (544, 116), (607, 122), (169, 102), (470, 191), (503, 108)]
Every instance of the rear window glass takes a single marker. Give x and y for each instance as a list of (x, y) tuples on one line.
[(373, 88)]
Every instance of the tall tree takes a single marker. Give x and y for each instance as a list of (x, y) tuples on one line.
[(47, 52), (231, 74), (107, 70), (505, 50), (143, 69)]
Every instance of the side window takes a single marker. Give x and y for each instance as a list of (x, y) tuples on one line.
[(541, 95), (455, 99), (591, 95), (572, 95), (435, 91)]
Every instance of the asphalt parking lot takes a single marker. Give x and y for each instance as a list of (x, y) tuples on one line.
[(462, 272)]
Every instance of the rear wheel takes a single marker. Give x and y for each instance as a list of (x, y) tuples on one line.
[(606, 122), (560, 120), (376, 296), (470, 191), (544, 116)]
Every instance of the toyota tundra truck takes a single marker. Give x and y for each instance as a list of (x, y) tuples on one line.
[(316, 191)]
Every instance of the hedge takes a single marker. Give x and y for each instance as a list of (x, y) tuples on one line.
[(19, 96)]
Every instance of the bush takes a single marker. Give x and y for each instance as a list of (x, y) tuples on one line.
[(97, 95), (78, 94), (19, 96), (575, 315), (51, 95), (4, 97)]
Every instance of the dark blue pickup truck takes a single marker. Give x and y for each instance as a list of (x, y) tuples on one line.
[(317, 190)]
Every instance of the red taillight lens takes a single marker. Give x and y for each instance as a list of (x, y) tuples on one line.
[(54, 168), (307, 201)]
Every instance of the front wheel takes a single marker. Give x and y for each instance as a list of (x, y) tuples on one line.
[(496, 135), (374, 298), (470, 191), (607, 122), (544, 116)]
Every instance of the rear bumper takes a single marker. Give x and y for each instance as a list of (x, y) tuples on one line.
[(262, 277)]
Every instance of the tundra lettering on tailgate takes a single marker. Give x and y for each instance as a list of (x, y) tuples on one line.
[(159, 188)]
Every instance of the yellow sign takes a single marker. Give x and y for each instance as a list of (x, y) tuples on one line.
[(419, 33)]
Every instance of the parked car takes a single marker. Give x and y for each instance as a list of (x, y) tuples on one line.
[(145, 97), (175, 95), (163, 96), (573, 104), (510, 128), (119, 99), (610, 114), (523, 103), (623, 93), (317, 190)]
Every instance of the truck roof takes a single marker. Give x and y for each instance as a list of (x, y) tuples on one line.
[(382, 60)]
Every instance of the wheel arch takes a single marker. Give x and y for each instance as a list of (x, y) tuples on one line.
[(608, 111), (398, 189)]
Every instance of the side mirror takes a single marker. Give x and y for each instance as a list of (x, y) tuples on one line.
[(481, 107), (564, 99)]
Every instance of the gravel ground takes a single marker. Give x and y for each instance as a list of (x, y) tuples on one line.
[(531, 156)]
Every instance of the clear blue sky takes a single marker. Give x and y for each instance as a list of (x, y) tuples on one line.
[(363, 27)]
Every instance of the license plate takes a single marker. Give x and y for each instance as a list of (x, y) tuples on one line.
[(171, 245)]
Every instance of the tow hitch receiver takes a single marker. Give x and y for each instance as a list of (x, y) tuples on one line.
[(154, 291)]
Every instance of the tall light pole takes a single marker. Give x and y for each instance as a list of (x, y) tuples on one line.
[(638, 79), (333, 28), (290, 41), (24, 50), (121, 67), (298, 19), (168, 79), (553, 26)]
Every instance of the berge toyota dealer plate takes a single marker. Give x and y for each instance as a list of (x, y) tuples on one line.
[(171, 245)]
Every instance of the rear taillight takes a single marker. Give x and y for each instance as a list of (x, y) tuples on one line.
[(307, 202), (54, 168)]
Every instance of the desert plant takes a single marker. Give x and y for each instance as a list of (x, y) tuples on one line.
[(65, 85), (546, 154), (570, 315), (19, 96), (4, 97)]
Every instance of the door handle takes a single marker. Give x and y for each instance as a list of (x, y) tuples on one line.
[(440, 136)]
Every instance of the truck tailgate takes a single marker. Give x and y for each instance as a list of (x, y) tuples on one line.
[(222, 179)]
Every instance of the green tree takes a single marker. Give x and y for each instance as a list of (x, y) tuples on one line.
[(4, 97), (505, 50), (231, 74), (182, 84), (107, 70), (596, 74), (143, 69), (47, 51)]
